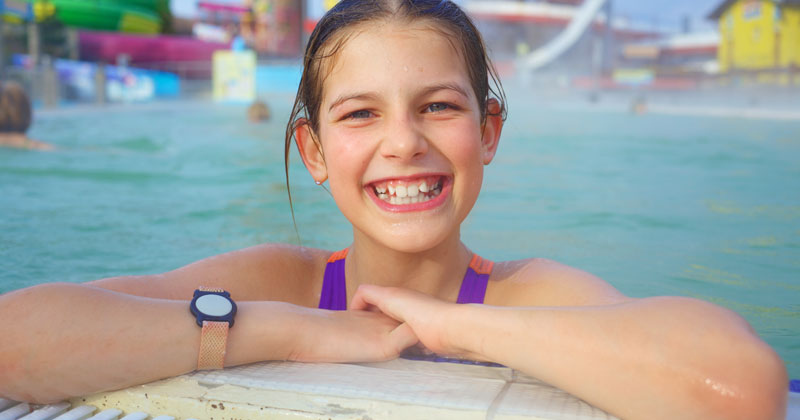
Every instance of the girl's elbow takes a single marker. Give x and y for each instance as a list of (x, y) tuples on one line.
[(770, 388), (744, 378), (767, 382), (24, 374), (18, 383), (759, 393)]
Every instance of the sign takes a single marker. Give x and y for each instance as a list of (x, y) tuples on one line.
[(234, 77), (751, 9)]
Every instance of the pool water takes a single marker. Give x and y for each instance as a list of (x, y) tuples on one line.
[(691, 206)]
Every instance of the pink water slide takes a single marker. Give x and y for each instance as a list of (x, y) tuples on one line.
[(107, 46)]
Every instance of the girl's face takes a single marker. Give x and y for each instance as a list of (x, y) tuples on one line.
[(401, 135)]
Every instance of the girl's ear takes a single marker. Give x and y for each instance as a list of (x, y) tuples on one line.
[(311, 151), (492, 128)]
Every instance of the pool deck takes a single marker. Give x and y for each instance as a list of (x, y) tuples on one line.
[(400, 389), (755, 113)]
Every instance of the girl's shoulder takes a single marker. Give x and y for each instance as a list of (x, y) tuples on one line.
[(543, 282), (270, 271), (274, 271)]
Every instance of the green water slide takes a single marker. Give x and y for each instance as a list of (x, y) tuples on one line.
[(132, 16)]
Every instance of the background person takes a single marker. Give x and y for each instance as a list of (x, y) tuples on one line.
[(16, 116)]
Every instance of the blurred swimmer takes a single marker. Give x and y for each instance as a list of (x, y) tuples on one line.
[(15, 118)]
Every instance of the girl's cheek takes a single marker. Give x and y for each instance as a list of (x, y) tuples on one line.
[(464, 145)]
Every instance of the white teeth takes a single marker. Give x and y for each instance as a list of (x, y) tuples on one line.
[(406, 200), (423, 187), (410, 193)]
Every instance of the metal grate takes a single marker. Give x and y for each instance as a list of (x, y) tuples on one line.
[(12, 410)]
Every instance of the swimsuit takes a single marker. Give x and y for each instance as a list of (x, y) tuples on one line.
[(473, 290), (334, 289)]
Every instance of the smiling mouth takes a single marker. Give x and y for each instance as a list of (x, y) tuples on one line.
[(408, 191)]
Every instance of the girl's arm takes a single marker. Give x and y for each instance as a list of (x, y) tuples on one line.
[(63, 340), (653, 358)]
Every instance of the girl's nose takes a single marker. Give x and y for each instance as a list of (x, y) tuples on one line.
[(403, 139)]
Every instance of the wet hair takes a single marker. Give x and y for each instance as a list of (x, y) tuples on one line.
[(15, 108), (334, 29)]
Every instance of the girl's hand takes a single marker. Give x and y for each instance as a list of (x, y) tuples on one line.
[(351, 336), (426, 315)]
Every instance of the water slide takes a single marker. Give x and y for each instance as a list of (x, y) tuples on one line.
[(131, 16), (567, 38)]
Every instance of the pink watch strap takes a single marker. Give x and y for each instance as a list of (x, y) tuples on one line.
[(213, 343)]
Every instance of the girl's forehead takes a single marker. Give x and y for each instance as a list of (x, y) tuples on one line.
[(380, 46), (377, 32)]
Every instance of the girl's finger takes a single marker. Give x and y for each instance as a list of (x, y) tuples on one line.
[(403, 337), (363, 299), (359, 303)]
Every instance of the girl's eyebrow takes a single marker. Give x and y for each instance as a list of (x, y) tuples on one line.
[(347, 97), (445, 86), (423, 92)]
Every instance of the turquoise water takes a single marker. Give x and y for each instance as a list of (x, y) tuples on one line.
[(693, 206)]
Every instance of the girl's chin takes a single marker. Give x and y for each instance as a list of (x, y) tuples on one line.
[(412, 236), (410, 244)]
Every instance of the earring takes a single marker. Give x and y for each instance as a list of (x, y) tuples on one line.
[(318, 182)]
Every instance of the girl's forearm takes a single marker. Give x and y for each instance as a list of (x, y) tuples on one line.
[(648, 359), (64, 340)]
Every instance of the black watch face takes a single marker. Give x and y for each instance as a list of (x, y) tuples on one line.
[(213, 305)]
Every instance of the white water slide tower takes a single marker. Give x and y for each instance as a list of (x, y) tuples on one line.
[(579, 22)]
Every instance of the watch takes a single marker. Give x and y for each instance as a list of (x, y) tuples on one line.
[(214, 311)]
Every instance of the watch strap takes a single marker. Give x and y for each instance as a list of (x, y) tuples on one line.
[(213, 340), (213, 344)]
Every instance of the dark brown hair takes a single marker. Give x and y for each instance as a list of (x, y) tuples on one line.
[(330, 35), (15, 108)]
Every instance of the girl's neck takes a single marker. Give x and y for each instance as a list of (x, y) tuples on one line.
[(437, 272)]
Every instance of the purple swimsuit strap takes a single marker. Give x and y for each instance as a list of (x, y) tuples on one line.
[(473, 287), (334, 288)]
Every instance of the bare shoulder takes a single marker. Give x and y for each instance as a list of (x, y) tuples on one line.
[(281, 272), (543, 282)]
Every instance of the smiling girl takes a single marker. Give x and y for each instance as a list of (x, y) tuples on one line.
[(397, 113)]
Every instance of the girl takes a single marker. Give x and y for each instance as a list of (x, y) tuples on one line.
[(395, 111)]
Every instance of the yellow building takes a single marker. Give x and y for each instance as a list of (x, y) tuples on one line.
[(757, 35)]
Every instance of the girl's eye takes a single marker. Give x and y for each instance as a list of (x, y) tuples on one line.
[(437, 107), (359, 114)]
